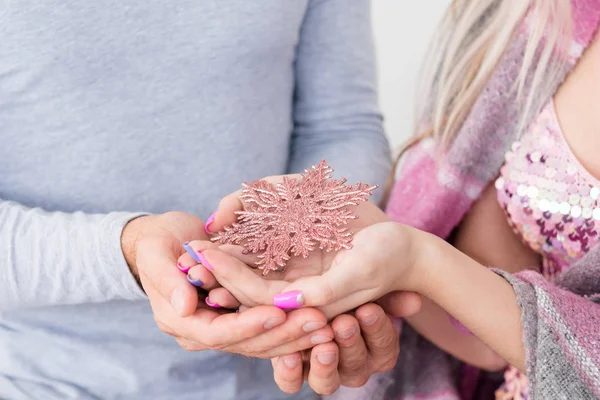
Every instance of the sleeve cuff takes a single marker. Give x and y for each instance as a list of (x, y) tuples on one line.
[(118, 275)]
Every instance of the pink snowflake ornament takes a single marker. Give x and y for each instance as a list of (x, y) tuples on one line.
[(294, 216)]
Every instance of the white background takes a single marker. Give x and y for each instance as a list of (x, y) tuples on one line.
[(402, 31)]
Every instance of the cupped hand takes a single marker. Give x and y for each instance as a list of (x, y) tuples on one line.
[(317, 263), (382, 260), (152, 246), (365, 343)]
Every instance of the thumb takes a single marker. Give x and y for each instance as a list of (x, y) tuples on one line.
[(401, 304), (334, 286), (225, 214)]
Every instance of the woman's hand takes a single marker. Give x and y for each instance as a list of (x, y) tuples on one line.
[(382, 260), (391, 241), (152, 246)]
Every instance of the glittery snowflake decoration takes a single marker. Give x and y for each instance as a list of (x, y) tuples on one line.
[(295, 216)]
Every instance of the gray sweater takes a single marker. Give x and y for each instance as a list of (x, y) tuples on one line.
[(109, 108)]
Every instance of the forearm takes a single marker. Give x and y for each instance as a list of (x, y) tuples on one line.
[(432, 322), (50, 258), (480, 299)]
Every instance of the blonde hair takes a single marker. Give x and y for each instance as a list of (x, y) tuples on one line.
[(470, 40)]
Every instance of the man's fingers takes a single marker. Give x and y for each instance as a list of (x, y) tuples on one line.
[(221, 331), (380, 336), (302, 330), (353, 367), (159, 274), (323, 376), (287, 371), (401, 304)]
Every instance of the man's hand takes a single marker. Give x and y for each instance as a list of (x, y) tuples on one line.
[(152, 246), (365, 344)]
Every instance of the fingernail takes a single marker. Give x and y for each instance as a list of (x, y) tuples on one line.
[(312, 326), (211, 304), (291, 361), (326, 358), (204, 262), (177, 300), (273, 322), (191, 252), (288, 300), (182, 268), (319, 339), (347, 333), (458, 326), (209, 221), (195, 282), (369, 319)]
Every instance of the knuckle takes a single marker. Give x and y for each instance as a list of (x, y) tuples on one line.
[(328, 389), (164, 327), (353, 368), (288, 384), (188, 345), (387, 365), (255, 351), (388, 362), (327, 294), (285, 336), (356, 381), (387, 342), (212, 343)]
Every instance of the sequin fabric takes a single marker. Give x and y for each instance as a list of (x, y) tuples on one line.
[(552, 202)]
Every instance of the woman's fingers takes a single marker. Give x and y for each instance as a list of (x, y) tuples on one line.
[(221, 298), (242, 282), (225, 213), (339, 289), (201, 278)]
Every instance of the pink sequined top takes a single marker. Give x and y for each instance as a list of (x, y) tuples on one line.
[(552, 203), (551, 200)]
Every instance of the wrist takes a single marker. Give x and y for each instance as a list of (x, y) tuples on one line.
[(130, 236), (424, 255)]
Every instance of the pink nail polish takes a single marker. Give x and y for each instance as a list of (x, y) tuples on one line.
[(288, 300), (209, 221), (211, 304), (182, 268), (203, 261)]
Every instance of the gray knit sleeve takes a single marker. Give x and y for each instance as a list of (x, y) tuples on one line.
[(50, 258)]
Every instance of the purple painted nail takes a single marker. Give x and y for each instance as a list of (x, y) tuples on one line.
[(458, 326), (203, 261), (288, 300), (182, 268), (211, 304), (209, 221), (191, 252), (195, 282)]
